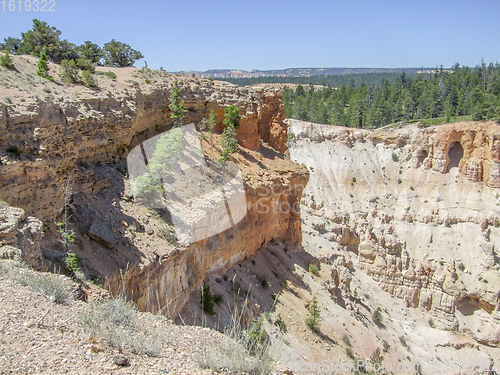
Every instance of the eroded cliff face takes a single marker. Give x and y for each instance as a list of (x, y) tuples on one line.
[(420, 209), (73, 142)]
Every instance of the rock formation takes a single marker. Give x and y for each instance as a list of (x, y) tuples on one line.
[(420, 208), (83, 136), (20, 236)]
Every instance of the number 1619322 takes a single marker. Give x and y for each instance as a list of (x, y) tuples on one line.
[(28, 5)]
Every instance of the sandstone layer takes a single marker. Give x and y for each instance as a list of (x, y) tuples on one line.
[(64, 148), (420, 208)]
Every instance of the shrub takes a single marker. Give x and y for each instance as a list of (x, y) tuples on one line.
[(354, 179), (7, 99), (228, 138), (402, 339), (346, 338), (6, 61), (284, 284), (14, 150), (349, 353), (110, 74), (167, 232), (280, 323), (313, 319), (386, 346), (431, 323), (207, 300), (377, 317), (50, 285), (400, 181), (116, 321), (69, 71), (377, 357), (72, 261), (248, 352), (264, 283), (177, 106), (313, 269), (395, 157), (88, 79), (43, 66), (85, 64)]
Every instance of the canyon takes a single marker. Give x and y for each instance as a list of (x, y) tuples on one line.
[(74, 145), (405, 219)]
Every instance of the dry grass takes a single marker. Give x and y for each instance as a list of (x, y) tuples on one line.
[(55, 287), (121, 325), (247, 351)]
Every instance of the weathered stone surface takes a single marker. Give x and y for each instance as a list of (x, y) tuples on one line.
[(425, 211), (20, 236), (85, 137), (101, 232)]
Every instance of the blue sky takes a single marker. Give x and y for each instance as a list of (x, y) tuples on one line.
[(201, 35)]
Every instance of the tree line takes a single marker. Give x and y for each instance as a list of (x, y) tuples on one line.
[(43, 37), (335, 80), (446, 94)]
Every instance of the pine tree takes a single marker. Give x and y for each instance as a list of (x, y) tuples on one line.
[(313, 319), (228, 139), (177, 106), (6, 61), (43, 66)]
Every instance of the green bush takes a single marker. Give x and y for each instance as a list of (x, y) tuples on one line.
[(313, 269), (264, 283), (313, 319), (280, 323), (88, 79), (395, 157), (207, 300), (346, 338), (377, 357), (402, 339), (85, 64), (69, 71), (349, 353), (108, 74), (43, 66), (6, 61), (256, 335), (72, 262), (228, 141), (386, 346), (167, 232), (377, 317)]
